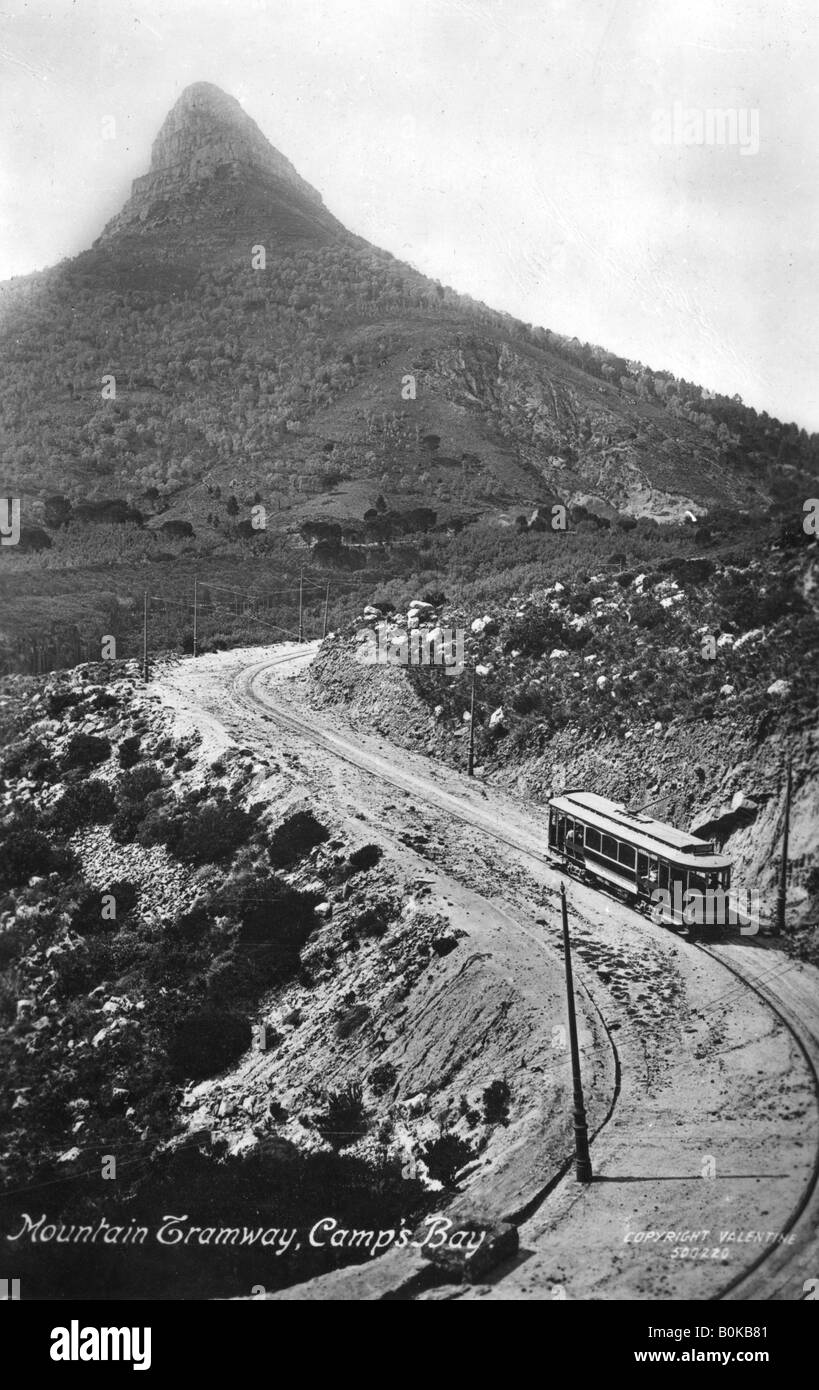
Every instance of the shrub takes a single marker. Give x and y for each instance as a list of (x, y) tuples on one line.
[(139, 782), (25, 852), (537, 633), (294, 838), (86, 803), (206, 1042), (345, 1119), (129, 751), (61, 700), (496, 1098), (85, 750), (445, 1156), (154, 827), (9, 994), (382, 1078), (192, 925), (78, 971), (126, 822), (13, 941), (364, 858), (209, 832), (270, 911), (375, 920), (26, 760)]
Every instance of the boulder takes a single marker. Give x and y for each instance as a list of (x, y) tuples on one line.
[(498, 1243)]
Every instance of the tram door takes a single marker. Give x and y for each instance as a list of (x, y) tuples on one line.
[(642, 873)]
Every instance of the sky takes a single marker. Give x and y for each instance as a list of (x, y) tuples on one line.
[(641, 174)]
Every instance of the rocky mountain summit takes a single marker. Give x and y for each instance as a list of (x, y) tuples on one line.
[(206, 146)]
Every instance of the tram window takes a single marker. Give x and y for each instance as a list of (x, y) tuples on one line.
[(696, 883), (663, 883), (609, 847), (592, 839), (642, 866), (626, 856)]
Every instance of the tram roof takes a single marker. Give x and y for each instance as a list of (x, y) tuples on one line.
[(643, 831)]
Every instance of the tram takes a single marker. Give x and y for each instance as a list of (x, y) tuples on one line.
[(634, 855)]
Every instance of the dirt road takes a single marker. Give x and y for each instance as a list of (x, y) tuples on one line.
[(702, 1091)]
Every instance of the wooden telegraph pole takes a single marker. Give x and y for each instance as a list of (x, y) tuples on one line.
[(779, 925), (470, 762), (145, 635), (301, 604), (326, 606), (582, 1160), (194, 615)]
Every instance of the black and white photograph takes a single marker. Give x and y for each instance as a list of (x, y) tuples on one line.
[(409, 653)]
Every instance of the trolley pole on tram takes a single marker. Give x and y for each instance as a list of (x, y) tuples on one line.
[(582, 1160)]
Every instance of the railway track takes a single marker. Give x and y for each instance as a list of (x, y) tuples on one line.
[(781, 1266)]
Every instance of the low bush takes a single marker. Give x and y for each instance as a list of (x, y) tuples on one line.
[(85, 803), (382, 1078), (344, 1121), (210, 832), (445, 1156), (139, 782), (25, 852), (84, 751), (61, 700), (364, 858), (294, 838), (206, 1042), (27, 759), (79, 970), (496, 1099), (129, 751), (126, 823)]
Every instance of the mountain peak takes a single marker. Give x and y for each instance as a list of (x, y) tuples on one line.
[(207, 142)]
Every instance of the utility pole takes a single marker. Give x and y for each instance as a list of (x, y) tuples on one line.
[(326, 605), (301, 604), (470, 762), (779, 925), (194, 615), (582, 1160), (145, 635)]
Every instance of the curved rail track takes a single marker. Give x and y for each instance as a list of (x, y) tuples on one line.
[(244, 687)]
